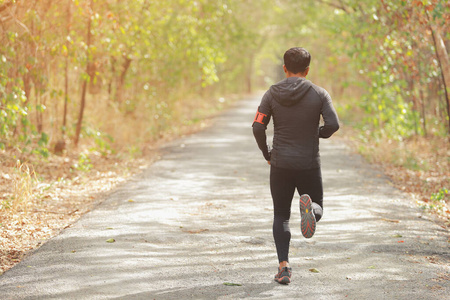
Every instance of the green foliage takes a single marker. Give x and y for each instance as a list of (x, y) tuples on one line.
[(438, 200), (440, 195), (386, 111), (84, 163), (12, 110), (15, 126), (102, 140), (146, 57), (379, 52)]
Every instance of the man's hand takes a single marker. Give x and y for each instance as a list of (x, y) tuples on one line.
[(268, 162)]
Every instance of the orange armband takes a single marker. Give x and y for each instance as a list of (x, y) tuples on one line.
[(259, 118)]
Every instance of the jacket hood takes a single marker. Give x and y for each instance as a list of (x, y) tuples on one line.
[(290, 91)]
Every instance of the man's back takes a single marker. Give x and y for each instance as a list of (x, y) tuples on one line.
[(296, 105)]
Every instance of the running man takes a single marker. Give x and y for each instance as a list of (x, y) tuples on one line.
[(295, 104)]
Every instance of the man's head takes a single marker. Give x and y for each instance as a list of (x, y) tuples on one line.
[(296, 61)]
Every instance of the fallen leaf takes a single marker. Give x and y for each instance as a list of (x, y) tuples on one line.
[(131, 200), (110, 240), (390, 220), (196, 231), (400, 241), (371, 267), (314, 270), (231, 284), (396, 236)]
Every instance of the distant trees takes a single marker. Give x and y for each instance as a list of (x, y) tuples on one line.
[(139, 57), (88, 68), (400, 51)]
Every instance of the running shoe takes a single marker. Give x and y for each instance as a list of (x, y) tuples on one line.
[(308, 223), (284, 275)]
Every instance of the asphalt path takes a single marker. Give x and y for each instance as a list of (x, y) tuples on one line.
[(197, 224)]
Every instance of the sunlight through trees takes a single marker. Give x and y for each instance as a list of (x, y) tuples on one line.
[(70, 68)]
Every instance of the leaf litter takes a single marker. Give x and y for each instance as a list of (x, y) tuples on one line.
[(60, 194)]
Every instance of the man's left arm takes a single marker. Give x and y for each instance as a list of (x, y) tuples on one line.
[(330, 118)]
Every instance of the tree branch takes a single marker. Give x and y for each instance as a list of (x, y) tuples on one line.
[(338, 6)]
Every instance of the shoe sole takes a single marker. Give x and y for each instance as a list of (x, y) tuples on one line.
[(308, 223), (283, 280)]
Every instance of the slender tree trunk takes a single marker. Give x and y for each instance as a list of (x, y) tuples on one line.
[(121, 80), (66, 76), (39, 117), (444, 64), (248, 76), (113, 73), (85, 82), (424, 118), (415, 104)]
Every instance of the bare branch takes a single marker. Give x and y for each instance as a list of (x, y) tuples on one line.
[(338, 6)]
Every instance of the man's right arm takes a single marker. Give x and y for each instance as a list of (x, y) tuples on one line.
[(260, 122)]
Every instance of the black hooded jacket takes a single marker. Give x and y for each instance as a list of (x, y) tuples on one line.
[(296, 105)]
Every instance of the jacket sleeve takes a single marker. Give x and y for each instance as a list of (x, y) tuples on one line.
[(262, 119), (330, 118)]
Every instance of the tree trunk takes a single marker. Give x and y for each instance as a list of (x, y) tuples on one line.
[(415, 104), (424, 118), (66, 76), (444, 64), (248, 76), (113, 72), (121, 80), (85, 81)]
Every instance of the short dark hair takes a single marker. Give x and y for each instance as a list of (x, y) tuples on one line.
[(297, 60)]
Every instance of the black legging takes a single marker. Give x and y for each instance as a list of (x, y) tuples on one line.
[(283, 183)]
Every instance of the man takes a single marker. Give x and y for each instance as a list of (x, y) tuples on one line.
[(296, 105)]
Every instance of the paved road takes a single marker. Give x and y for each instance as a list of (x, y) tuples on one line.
[(201, 217)]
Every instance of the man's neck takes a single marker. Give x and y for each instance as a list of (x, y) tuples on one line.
[(300, 75), (295, 75)]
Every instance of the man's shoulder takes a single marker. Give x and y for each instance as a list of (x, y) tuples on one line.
[(319, 90), (268, 96)]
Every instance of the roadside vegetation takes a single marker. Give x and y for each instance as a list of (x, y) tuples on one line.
[(90, 88)]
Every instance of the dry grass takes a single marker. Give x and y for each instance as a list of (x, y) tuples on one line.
[(150, 120), (24, 180), (44, 201)]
